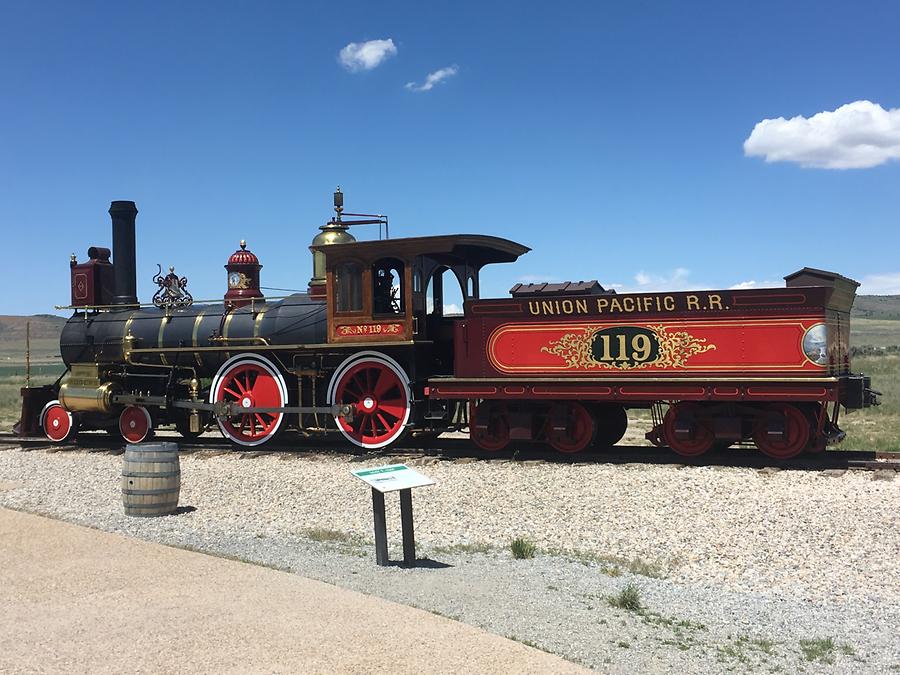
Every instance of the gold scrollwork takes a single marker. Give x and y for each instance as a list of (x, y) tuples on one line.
[(675, 348)]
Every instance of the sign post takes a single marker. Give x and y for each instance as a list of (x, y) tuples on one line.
[(393, 478)]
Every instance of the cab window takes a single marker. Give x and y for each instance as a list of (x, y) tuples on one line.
[(388, 294), (444, 295)]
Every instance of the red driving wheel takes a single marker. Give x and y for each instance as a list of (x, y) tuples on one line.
[(494, 435), (135, 424), (794, 439), (57, 422), (250, 382), (700, 438), (579, 429), (378, 389)]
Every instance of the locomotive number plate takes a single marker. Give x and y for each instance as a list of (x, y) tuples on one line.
[(370, 329)]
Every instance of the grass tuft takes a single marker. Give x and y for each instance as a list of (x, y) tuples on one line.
[(325, 535), (522, 548), (614, 566), (746, 650), (818, 649), (628, 598)]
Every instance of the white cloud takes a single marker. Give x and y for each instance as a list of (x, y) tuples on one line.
[(366, 55), (452, 308), (645, 282), (857, 135), (756, 284), (674, 281), (449, 307), (433, 78), (880, 284)]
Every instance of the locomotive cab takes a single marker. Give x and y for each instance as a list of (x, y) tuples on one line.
[(392, 290), (394, 334)]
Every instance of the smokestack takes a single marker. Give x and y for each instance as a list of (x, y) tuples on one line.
[(123, 215)]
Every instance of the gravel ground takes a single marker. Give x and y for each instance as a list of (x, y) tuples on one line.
[(737, 569)]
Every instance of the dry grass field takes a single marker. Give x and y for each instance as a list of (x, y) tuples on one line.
[(876, 428), (46, 365), (871, 429)]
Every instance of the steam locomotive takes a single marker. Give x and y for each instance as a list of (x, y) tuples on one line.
[(369, 352)]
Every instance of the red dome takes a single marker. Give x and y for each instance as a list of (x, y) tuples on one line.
[(242, 256)]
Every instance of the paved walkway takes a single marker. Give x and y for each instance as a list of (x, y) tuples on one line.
[(74, 599)]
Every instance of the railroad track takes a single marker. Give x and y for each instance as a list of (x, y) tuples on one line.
[(292, 445)]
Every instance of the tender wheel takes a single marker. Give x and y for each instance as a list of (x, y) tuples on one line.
[(611, 422), (250, 381), (489, 425), (135, 424), (699, 437), (578, 431), (796, 431), (379, 390), (58, 423)]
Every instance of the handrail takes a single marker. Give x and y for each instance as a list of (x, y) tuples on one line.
[(138, 305)]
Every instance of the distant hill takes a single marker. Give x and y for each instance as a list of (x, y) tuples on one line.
[(884, 307), (45, 330), (42, 326)]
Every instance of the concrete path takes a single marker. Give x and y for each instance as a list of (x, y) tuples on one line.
[(74, 599)]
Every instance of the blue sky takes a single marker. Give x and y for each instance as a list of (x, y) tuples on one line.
[(608, 137)]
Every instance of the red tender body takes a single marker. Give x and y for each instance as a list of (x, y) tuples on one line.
[(752, 339), (742, 355)]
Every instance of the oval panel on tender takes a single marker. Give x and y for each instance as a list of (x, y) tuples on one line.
[(625, 345)]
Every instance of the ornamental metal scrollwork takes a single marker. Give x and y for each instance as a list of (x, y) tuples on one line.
[(172, 290), (673, 349)]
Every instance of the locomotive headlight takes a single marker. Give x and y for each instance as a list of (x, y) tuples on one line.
[(815, 344)]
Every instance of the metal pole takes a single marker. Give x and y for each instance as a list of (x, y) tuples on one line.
[(381, 547), (406, 523), (27, 354)]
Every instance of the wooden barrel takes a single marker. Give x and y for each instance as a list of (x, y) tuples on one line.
[(151, 479)]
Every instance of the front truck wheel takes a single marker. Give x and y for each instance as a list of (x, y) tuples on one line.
[(58, 424), (135, 424)]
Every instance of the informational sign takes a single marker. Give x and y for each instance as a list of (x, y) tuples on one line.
[(392, 477)]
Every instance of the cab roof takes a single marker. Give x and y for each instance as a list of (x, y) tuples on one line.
[(475, 249)]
